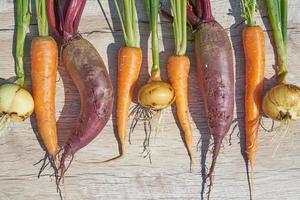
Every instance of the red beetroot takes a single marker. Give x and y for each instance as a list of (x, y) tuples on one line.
[(88, 72), (214, 59)]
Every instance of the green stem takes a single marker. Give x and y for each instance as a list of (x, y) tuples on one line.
[(129, 22), (41, 12), (274, 14), (134, 23), (23, 22), (175, 25), (184, 28), (152, 10), (284, 10), (178, 8), (248, 8), (178, 13)]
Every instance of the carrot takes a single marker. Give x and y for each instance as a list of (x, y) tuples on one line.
[(88, 72), (44, 60), (254, 49), (44, 56), (214, 59), (178, 71), (129, 65), (130, 60), (253, 40)]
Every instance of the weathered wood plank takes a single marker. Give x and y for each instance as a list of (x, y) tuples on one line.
[(168, 176)]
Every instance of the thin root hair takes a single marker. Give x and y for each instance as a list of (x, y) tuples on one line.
[(142, 114), (282, 132), (261, 122), (146, 144), (46, 162), (149, 118)]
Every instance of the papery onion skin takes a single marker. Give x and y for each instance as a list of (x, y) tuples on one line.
[(282, 102), (156, 95), (16, 102)]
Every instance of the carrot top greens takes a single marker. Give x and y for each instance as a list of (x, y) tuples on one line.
[(178, 8), (129, 22), (23, 22), (277, 13), (42, 20), (249, 8)]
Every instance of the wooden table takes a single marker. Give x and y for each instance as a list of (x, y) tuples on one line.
[(168, 177)]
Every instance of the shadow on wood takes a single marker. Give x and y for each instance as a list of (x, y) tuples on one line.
[(197, 112), (112, 55), (68, 116), (237, 44)]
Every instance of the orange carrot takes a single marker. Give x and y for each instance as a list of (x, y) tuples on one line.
[(44, 56), (254, 49), (130, 60), (44, 60), (129, 64), (253, 41), (178, 73)]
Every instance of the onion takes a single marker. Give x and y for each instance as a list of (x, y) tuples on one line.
[(282, 102), (156, 95), (16, 104)]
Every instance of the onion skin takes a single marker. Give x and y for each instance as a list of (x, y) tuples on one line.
[(156, 95), (282, 102), (15, 101)]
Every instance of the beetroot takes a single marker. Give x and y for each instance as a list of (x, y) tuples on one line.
[(90, 76), (88, 72), (214, 59)]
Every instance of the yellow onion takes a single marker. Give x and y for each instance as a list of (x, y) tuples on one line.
[(156, 95), (282, 102), (16, 103)]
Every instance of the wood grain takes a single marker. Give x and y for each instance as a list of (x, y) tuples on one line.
[(168, 177)]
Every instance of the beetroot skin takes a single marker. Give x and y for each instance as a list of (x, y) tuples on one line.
[(90, 76), (214, 61)]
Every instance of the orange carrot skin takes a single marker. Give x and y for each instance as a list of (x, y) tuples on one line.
[(44, 60), (129, 65), (254, 48), (178, 73)]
